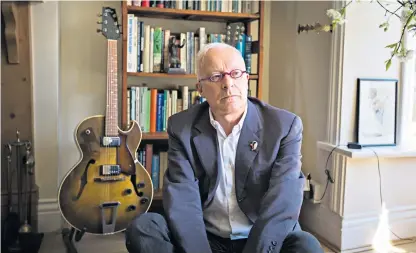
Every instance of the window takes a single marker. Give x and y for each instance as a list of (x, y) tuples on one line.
[(409, 93), (413, 124)]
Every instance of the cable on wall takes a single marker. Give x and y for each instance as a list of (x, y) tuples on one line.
[(329, 179), (381, 195)]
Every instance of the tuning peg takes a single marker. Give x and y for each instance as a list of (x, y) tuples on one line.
[(99, 15), (99, 30), (99, 22)]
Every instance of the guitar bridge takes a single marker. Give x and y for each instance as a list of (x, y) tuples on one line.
[(110, 141), (109, 179)]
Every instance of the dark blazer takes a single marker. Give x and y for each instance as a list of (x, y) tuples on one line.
[(269, 182)]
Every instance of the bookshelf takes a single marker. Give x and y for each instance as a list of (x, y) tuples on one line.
[(246, 13)]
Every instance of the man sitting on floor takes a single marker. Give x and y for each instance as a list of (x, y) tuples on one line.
[(234, 182)]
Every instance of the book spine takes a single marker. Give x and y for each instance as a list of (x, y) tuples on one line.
[(165, 109), (137, 104), (130, 67), (155, 171), (146, 49), (153, 110), (133, 103), (247, 54), (139, 46), (151, 46), (157, 49), (159, 113)]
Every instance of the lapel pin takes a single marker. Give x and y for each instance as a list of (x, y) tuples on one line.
[(253, 145)]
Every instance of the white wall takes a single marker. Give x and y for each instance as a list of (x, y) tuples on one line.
[(299, 70), (364, 56), (45, 62)]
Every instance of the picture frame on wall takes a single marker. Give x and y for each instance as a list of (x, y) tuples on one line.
[(376, 111)]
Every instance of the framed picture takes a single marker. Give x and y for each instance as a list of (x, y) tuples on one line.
[(376, 112)]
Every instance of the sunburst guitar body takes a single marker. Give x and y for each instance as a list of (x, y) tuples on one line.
[(108, 187)]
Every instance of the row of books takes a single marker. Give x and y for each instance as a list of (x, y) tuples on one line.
[(152, 107), (155, 163), (235, 6), (149, 47)]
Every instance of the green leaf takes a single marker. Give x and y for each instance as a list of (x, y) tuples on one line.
[(391, 45), (388, 64)]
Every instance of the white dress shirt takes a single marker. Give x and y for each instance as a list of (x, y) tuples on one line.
[(223, 216)]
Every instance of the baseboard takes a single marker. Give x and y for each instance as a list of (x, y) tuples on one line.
[(355, 233), (322, 222), (49, 217), (359, 230)]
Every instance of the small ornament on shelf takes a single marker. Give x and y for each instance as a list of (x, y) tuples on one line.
[(174, 61)]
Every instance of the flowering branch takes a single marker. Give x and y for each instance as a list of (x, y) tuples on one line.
[(398, 48), (409, 23), (393, 13)]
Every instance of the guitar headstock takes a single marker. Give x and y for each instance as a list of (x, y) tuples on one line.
[(110, 27)]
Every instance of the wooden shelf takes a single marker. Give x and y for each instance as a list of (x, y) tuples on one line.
[(155, 136), (167, 13), (165, 75)]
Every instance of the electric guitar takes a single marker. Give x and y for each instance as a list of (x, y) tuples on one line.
[(107, 187)]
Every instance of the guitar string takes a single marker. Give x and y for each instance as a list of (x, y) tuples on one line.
[(111, 132), (113, 107), (111, 155), (107, 125), (113, 125), (109, 116)]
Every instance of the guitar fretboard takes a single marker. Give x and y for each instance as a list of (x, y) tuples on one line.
[(111, 116)]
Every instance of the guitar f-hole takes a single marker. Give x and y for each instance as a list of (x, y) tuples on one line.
[(83, 180)]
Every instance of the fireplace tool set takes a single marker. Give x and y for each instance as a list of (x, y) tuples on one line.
[(18, 233)]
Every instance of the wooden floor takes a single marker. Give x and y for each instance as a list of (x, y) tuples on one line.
[(53, 243)]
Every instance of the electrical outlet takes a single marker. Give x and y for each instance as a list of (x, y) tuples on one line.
[(317, 191)]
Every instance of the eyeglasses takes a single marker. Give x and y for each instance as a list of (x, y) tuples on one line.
[(216, 77)]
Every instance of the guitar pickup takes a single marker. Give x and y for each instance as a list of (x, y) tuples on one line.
[(109, 141), (110, 170)]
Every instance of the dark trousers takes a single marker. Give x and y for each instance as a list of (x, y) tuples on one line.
[(149, 233)]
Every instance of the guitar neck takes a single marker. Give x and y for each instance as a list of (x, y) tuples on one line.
[(111, 115)]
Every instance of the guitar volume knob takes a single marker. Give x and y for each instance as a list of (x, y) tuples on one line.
[(131, 208), (144, 200)]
